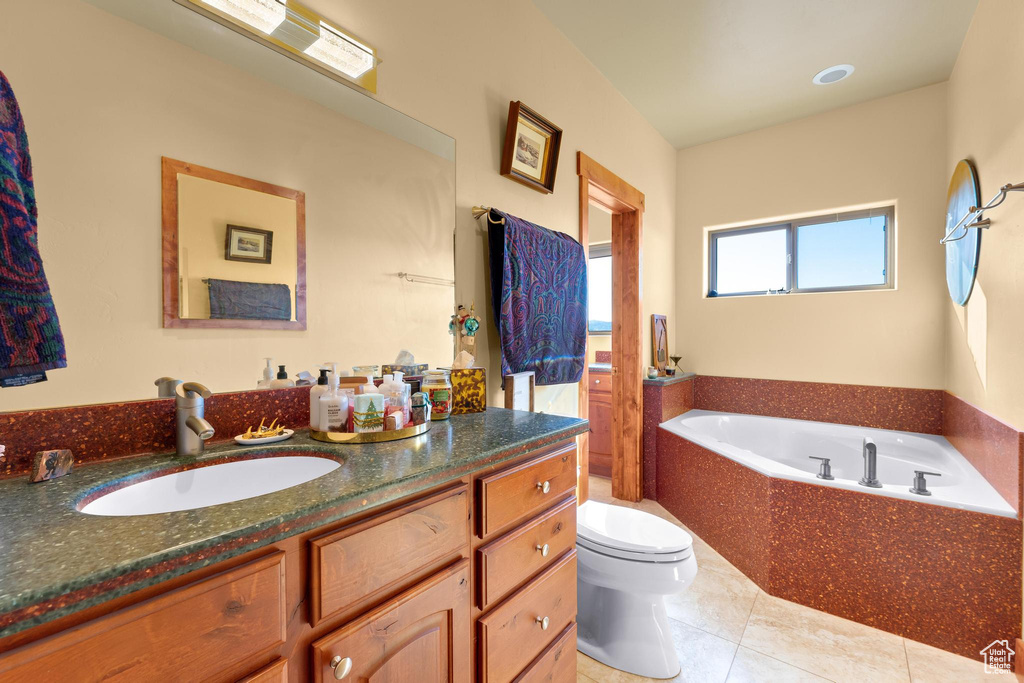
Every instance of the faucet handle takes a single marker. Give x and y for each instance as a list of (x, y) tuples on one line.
[(183, 390), (826, 468), (920, 484)]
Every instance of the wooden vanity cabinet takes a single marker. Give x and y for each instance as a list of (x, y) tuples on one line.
[(449, 585)]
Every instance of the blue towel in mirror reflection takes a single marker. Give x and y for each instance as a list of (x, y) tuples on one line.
[(249, 300)]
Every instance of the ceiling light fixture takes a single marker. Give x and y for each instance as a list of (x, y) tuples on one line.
[(297, 32), (833, 74)]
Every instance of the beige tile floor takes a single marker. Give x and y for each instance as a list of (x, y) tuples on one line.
[(727, 629)]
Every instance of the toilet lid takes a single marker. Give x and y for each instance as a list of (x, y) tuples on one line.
[(624, 528)]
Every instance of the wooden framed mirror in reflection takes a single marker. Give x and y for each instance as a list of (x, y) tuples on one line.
[(234, 250)]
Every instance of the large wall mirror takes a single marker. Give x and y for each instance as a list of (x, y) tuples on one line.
[(259, 149)]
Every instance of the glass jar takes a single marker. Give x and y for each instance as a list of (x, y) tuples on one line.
[(438, 387), (371, 371)]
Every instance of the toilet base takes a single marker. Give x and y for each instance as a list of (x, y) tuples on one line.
[(626, 631)]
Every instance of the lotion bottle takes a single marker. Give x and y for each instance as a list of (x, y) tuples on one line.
[(268, 375), (315, 393), (282, 381), (334, 407)]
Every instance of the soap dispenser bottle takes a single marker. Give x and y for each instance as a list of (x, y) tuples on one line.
[(334, 406), (268, 375), (282, 381), (315, 393)]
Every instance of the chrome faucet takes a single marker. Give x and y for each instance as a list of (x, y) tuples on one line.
[(191, 428), (870, 453)]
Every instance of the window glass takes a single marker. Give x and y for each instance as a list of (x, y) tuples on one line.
[(841, 254), (751, 261), (599, 291)]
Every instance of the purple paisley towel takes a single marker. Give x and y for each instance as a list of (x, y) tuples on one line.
[(539, 296), (30, 336)]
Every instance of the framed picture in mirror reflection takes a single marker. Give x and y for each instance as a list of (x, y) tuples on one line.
[(249, 245)]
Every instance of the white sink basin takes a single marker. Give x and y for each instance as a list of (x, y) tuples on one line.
[(212, 485)]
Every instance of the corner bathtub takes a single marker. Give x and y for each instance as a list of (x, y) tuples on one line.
[(780, 447)]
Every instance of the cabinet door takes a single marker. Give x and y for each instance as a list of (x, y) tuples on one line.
[(600, 435), (422, 635)]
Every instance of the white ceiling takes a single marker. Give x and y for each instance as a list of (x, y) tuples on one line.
[(700, 70)]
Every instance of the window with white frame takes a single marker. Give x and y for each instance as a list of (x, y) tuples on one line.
[(599, 289), (832, 253)]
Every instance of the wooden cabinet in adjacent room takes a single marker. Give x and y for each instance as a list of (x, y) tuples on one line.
[(600, 423)]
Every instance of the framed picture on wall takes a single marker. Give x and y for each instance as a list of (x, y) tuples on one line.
[(250, 245), (531, 149), (659, 342)]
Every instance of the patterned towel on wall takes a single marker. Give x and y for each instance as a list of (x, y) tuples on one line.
[(249, 301), (30, 336), (539, 297)]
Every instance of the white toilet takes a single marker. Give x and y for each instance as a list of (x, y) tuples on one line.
[(629, 561)]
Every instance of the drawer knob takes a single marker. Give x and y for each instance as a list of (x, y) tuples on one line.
[(544, 486), (342, 666), (597, 381), (544, 549), (544, 623)]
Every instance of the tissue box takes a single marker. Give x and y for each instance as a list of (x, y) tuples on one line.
[(407, 370), (469, 390)]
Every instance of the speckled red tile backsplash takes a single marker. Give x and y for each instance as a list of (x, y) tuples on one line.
[(113, 430), (603, 356), (994, 448), (907, 410)]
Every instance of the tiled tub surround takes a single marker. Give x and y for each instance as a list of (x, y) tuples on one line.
[(940, 575), (664, 398), (57, 561)]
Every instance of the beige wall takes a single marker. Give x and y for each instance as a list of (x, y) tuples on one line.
[(205, 209), (445, 63), (985, 340), (121, 98), (890, 150), (459, 76)]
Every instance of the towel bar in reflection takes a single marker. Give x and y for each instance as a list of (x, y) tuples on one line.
[(426, 279)]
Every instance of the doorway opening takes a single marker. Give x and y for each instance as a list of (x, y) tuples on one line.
[(607, 192)]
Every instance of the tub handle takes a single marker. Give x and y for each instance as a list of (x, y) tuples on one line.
[(826, 469), (920, 486)]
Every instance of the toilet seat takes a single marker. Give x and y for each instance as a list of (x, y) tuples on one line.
[(630, 534)]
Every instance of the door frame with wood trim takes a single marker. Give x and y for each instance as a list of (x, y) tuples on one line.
[(600, 186)]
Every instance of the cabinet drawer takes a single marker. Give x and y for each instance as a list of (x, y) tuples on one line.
[(276, 672), (557, 664), (512, 635), (518, 492), (600, 382), (422, 635), (197, 632), (519, 554), (382, 553)]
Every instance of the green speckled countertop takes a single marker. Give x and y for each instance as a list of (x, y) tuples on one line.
[(54, 560)]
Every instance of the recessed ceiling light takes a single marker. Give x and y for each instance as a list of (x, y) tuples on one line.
[(833, 74)]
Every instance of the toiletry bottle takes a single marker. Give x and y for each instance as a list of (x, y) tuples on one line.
[(403, 396), (282, 380), (315, 393), (334, 408), (268, 375)]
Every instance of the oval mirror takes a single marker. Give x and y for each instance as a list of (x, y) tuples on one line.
[(964, 245)]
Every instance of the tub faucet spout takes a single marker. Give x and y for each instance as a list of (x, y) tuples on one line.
[(870, 453)]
